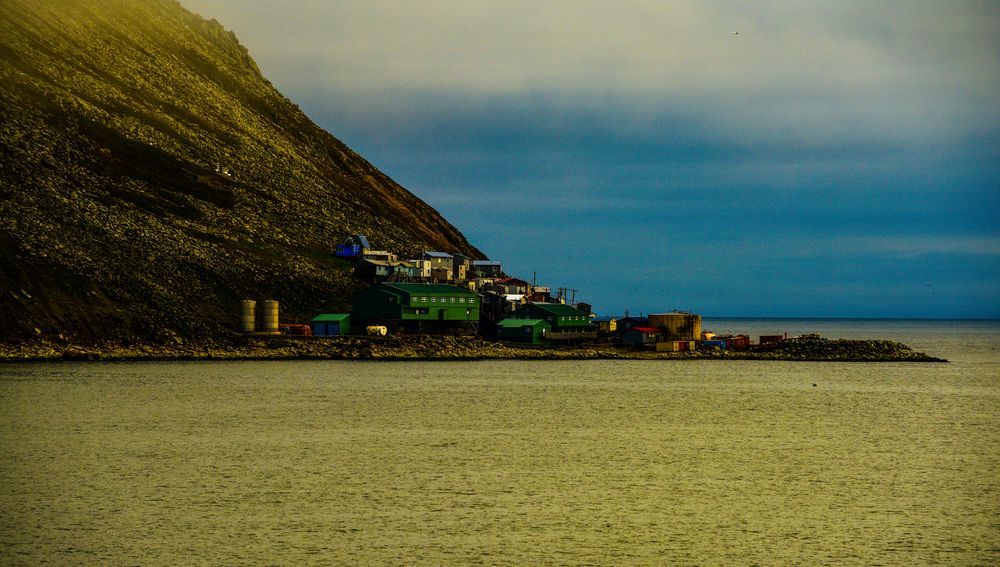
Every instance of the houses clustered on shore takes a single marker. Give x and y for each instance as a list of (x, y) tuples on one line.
[(440, 292)]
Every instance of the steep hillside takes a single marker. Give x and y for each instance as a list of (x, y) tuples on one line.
[(150, 177)]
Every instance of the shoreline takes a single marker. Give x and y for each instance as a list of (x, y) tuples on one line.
[(439, 348)]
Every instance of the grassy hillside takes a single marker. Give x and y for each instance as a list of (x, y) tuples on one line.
[(150, 177)]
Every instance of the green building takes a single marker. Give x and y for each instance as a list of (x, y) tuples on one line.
[(523, 330), (568, 323), (410, 304), (331, 324)]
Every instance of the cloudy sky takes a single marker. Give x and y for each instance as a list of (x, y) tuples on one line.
[(767, 158)]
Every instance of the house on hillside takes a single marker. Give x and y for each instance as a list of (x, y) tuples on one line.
[(442, 265), (461, 267), (373, 271), (487, 268), (354, 246), (511, 286), (379, 255)]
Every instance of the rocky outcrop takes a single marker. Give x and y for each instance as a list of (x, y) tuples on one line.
[(151, 176), (428, 347)]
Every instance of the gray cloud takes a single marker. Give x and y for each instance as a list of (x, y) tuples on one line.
[(845, 147)]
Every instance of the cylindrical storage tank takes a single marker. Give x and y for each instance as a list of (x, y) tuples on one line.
[(677, 326), (248, 316), (269, 316)]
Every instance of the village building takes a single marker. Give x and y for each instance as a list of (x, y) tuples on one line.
[(373, 271), (421, 268), (487, 268), (605, 324), (354, 246), (568, 323), (540, 294), (441, 263), (641, 336), (511, 286), (461, 267), (417, 306), (626, 323), (532, 331), (379, 255), (331, 324)]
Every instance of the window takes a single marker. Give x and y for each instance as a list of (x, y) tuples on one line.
[(434, 300), (452, 300)]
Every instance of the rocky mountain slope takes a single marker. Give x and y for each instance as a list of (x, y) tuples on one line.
[(150, 177)]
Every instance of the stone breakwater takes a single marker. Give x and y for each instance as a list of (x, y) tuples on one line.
[(425, 347)]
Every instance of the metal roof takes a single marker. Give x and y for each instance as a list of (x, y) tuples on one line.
[(486, 262), (521, 322), (360, 240), (327, 317), (438, 254), (559, 309), (644, 330), (417, 288)]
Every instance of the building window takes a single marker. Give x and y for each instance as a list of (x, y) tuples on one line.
[(452, 300), (434, 300)]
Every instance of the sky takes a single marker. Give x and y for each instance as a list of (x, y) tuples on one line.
[(741, 159)]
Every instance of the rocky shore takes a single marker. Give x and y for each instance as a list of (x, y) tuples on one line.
[(425, 347)]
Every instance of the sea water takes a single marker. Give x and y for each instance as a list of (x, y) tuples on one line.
[(511, 462)]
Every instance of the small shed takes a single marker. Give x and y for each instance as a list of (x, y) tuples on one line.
[(523, 330), (331, 324)]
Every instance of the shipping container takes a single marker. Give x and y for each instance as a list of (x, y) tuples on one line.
[(674, 346), (295, 329)]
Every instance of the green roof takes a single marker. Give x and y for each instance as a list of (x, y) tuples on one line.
[(521, 322), (330, 317), (417, 288), (559, 309)]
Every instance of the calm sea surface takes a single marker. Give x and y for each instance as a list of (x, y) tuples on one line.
[(526, 463)]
